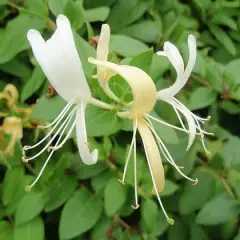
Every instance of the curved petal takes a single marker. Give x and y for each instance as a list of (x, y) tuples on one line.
[(143, 88), (60, 62), (103, 43), (152, 154), (86, 156), (177, 61)]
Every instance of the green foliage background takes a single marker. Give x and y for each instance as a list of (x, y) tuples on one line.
[(76, 201)]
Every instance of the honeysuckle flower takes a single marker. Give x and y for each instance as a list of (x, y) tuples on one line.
[(144, 99), (168, 94), (59, 60), (12, 126)]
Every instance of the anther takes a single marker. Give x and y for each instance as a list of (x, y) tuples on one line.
[(170, 221), (180, 167), (40, 126), (24, 159), (123, 183), (27, 188), (209, 117), (26, 147), (135, 206), (212, 134), (195, 182)]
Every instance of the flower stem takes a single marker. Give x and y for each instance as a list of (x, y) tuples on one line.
[(101, 104)]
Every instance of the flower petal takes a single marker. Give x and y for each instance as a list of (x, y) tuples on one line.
[(103, 43), (152, 153), (86, 156), (143, 88), (60, 62), (177, 61)]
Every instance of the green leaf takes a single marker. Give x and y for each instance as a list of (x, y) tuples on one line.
[(130, 48), (17, 29), (178, 231), (57, 7), (197, 232), (97, 14), (38, 7), (85, 50), (169, 189), (47, 109), (62, 187), (114, 196), (6, 230), (33, 229), (201, 98), (143, 60), (101, 122), (167, 134), (33, 84), (74, 12), (149, 214), (101, 228), (83, 209), (194, 197), (30, 206), (131, 10), (223, 38), (145, 31), (11, 184), (218, 210), (230, 152)]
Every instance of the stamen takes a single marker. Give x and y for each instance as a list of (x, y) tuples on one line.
[(50, 132), (28, 187), (128, 156), (165, 123), (179, 117), (170, 220), (63, 112), (66, 137), (66, 122), (164, 149)]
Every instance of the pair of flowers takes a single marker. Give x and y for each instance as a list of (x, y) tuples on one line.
[(60, 62)]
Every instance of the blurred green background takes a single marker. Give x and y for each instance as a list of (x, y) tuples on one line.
[(76, 201)]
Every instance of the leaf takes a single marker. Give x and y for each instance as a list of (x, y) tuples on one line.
[(145, 31), (143, 60), (149, 214), (47, 109), (61, 188), (197, 232), (169, 189), (178, 231), (167, 134), (17, 29), (114, 196), (83, 209), (33, 229), (38, 7), (131, 10), (230, 152), (223, 38), (100, 122), (97, 14), (33, 84), (6, 230), (101, 229), (218, 210), (30, 206), (57, 7), (11, 184), (194, 197), (85, 50), (130, 48), (201, 98)]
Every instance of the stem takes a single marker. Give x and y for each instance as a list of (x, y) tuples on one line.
[(100, 104)]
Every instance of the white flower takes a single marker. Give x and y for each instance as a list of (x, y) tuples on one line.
[(168, 94), (60, 62)]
